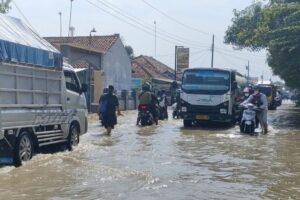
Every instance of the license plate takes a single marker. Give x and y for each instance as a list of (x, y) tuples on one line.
[(202, 117)]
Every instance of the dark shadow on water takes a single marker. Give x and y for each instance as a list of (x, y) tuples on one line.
[(53, 149), (209, 126)]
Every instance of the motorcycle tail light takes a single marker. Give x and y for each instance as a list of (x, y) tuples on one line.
[(143, 107)]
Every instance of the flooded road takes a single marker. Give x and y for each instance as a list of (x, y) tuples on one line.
[(167, 162)]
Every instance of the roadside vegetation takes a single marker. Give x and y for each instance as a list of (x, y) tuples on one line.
[(274, 26), (5, 6)]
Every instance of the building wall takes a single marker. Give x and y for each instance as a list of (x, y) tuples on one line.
[(98, 86), (75, 55), (117, 67)]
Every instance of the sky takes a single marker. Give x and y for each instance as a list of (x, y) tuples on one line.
[(188, 23)]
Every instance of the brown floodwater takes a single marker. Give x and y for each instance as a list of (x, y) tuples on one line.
[(167, 162)]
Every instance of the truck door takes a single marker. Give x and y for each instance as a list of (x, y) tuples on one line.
[(75, 99)]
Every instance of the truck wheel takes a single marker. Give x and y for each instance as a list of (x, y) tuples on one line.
[(23, 148), (73, 139), (187, 123)]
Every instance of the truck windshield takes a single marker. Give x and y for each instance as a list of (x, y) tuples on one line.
[(206, 81)]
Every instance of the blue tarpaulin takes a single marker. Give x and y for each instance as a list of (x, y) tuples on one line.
[(20, 44)]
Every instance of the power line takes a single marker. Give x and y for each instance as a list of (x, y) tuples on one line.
[(144, 23), (227, 55), (235, 51), (191, 52), (25, 18), (132, 24), (199, 57), (227, 60), (175, 20), (135, 22)]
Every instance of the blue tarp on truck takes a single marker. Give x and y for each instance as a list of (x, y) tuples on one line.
[(20, 44)]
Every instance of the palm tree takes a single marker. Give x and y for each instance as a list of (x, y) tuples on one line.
[(4, 6)]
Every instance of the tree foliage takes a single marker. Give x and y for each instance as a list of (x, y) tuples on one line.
[(275, 27), (129, 51), (5, 6)]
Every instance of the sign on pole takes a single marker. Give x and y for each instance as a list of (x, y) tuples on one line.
[(182, 58)]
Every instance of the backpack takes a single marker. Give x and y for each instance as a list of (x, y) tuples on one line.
[(103, 105)]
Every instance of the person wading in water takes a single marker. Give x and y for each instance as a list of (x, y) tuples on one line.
[(108, 106)]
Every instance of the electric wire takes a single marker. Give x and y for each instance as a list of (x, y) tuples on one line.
[(175, 20), (144, 23), (25, 18), (204, 52), (134, 25)]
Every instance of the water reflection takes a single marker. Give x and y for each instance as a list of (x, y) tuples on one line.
[(166, 162)]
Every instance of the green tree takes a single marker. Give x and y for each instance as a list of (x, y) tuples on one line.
[(129, 51), (275, 27), (5, 6)]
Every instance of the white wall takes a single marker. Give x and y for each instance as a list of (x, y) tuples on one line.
[(117, 67)]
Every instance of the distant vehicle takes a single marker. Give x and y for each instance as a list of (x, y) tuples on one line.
[(270, 91), (211, 95), (41, 100)]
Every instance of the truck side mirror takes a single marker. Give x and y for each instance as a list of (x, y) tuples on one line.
[(84, 88)]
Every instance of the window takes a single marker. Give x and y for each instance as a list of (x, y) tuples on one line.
[(71, 81)]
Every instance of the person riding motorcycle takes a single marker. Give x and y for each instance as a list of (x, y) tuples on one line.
[(148, 98), (260, 101)]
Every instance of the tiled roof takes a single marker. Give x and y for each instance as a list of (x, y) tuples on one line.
[(146, 67), (100, 44), (82, 64)]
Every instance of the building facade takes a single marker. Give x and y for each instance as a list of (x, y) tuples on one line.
[(101, 60)]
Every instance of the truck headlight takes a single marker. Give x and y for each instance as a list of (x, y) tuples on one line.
[(2, 135), (223, 111), (184, 109)]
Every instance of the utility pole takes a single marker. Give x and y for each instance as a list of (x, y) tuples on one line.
[(70, 19), (212, 51), (60, 24), (155, 39), (248, 74)]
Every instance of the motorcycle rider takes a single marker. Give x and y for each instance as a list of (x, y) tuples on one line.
[(260, 101), (148, 98)]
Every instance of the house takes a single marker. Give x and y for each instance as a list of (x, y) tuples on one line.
[(148, 68), (102, 60)]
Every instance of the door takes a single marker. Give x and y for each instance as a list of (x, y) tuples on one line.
[(75, 99)]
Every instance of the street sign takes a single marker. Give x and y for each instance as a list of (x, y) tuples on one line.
[(182, 58)]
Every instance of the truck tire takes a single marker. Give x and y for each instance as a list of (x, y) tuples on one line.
[(73, 139), (187, 123), (23, 149)]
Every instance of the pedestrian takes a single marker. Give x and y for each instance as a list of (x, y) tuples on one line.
[(108, 106), (261, 102)]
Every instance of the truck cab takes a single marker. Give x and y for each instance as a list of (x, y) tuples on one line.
[(211, 95)]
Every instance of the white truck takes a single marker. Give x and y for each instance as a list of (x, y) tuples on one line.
[(210, 94), (41, 99)]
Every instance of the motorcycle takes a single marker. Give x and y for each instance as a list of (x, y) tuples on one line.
[(145, 117), (248, 121), (163, 108)]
